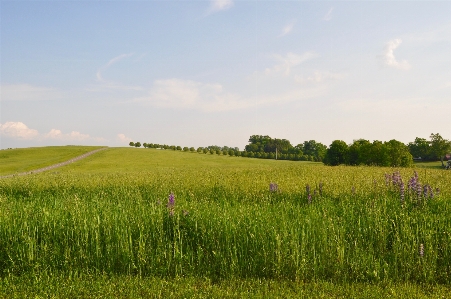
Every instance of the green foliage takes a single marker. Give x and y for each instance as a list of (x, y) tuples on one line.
[(131, 143), (337, 153), (138, 144)]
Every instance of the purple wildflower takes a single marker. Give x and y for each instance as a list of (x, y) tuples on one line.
[(307, 189), (273, 187), (309, 198), (171, 204), (401, 192)]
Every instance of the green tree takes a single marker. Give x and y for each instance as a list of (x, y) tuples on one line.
[(138, 144), (358, 152), (131, 143), (192, 149), (420, 148), (185, 149), (337, 153), (398, 153), (439, 147)]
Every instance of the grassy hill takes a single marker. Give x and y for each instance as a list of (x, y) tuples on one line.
[(26, 159)]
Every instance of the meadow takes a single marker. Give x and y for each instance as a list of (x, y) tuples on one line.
[(130, 222)]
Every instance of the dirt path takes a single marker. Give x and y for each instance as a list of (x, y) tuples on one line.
[(55, 165)]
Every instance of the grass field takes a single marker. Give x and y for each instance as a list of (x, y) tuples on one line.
[(25, 159), (130, 222)]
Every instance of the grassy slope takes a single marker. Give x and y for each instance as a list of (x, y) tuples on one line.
[(141, 159), (26, 159)]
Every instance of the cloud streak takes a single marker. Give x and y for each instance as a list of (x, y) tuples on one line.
[(287, 29), (288, 61), (328, 15), (219, 5), (389, 59)]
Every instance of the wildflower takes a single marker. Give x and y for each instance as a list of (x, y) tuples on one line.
[(171, 204), (353, 190), (401, 192), (171, 201), (320, 188), (185, 213), (273, 187), (421, 250), (307, 189), (309, 197)]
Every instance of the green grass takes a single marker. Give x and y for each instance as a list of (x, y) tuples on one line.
[(432, 165), (101, 286), (102, 223), (25, 159), (133, 160)]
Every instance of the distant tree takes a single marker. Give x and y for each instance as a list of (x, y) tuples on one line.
[(131, 143), (440, 147), (185, 149), (315, 149), (205, 150), (337, 153), (192, 149), (420, 148), (138, 144), (218, 152), (179, 148), (145, 145), (200, 149), (358, 152), (231, 152), (398, 153)]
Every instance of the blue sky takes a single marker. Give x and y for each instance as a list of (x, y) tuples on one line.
[(199, 73)]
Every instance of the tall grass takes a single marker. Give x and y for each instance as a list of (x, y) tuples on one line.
[(227, 223)]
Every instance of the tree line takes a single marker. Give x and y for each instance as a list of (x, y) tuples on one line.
[(391, 153)]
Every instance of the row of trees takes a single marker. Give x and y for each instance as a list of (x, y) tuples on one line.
[(361, 152), (390, 153)]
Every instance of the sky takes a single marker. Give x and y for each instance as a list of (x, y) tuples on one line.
[(200, 73)]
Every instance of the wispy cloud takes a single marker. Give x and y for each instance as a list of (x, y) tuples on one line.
[(182, 94), (18, 130), (288, 28), (108, 84), (27, 92), (288, 61), (388, 56), (110, 63), (219, 5), (328, 15), (123, 139)]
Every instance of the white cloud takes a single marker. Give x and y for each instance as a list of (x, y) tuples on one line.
[(17, 130), (27, 92), (72, 136), (287, 62), (218, 5), (178, 93), (389, 56), (288, 28), (123, 139), (328, 15)]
